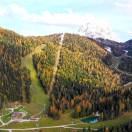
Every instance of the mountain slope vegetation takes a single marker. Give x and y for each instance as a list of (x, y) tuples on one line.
[(14, 80), (84, 84)]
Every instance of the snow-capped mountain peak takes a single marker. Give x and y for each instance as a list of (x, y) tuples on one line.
[(97, 30)]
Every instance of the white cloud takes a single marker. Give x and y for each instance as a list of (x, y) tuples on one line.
[(98, 29), (130, 32), (61, 19), (124, 4), (68, 19), (14, 11), (2, 11)]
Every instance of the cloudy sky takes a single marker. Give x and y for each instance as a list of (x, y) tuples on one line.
[(41, 17)]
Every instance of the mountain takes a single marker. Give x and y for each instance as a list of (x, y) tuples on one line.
[(106, 37), (97, 30), (118, 48), (122, 51), (81, 75), (128, 47), (66, 72), (10, 71), (13, 78), (112, 46), (129, 42)]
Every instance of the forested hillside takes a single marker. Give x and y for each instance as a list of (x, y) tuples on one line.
[(83, 82), (126, 64), (14, 80)]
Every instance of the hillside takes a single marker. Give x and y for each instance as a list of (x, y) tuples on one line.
[(61, 76), (81, 75), (14, 80), (119, 55)]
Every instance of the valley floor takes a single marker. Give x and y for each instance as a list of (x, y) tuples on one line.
[(66, 123)]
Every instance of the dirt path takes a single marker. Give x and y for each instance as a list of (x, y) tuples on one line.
[(56, 63), (37, 128)]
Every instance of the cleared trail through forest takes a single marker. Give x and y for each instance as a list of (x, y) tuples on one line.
[(38, 97), (56, 63)]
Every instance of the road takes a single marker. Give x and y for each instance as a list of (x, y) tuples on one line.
[(11, 111), (128, 85), (38, 128), (116, 64)]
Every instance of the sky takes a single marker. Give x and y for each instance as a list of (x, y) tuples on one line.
[(43, 17)]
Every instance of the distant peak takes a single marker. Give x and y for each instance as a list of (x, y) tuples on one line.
[(95, 30)]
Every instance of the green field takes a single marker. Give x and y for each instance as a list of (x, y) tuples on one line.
[(6, 116), (38, 97), (50, 130), (66, 119), (115, 122), (20, 109)]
